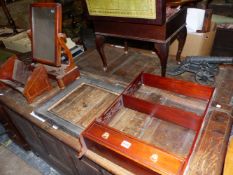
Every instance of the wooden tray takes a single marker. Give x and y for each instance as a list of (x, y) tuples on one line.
[(74, 108), (151, 132)]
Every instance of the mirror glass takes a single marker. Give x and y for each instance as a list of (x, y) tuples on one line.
[(43, 34)]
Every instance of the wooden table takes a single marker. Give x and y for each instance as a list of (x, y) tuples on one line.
[(208, 156), (159, 29)]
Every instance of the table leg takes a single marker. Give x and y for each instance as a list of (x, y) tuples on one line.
[(99, 41), (181, 37), (126, 47), (162, 51)]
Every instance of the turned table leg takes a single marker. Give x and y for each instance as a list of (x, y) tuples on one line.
[(99, 41), (162, 51), (181, 37)]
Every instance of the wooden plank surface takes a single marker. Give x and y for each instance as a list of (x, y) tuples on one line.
[(121, 67), (83, 105), (165, 135)]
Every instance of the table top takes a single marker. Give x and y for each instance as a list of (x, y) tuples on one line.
[(209, 153)]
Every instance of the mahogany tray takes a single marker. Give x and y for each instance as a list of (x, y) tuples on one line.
[(152, 127)]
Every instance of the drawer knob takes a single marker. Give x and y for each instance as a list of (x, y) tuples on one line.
[(105, 135), (154, 158)]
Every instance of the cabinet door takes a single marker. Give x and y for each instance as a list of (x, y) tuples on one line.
[(27, 130), (87, 167), (58, 153)]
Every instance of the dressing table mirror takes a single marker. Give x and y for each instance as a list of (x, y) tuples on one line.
[(48, 43)]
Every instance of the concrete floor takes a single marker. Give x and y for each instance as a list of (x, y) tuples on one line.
[(16, 161), (12, 164)]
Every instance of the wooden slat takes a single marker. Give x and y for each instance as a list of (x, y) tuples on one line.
[(210, 152), (174, 115)]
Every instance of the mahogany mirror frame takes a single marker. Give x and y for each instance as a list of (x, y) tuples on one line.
[(57, 29)]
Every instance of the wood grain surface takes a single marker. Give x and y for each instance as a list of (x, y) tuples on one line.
[(83, 105), (165, 135)]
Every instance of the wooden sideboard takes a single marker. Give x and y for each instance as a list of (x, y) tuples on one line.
[(60, 149), (51, 147)]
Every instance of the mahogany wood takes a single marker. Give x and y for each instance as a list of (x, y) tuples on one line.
[(159, 31), (68, 78), (143, 151), (178, 86), (7, 68), (37, 82), (132, 153)]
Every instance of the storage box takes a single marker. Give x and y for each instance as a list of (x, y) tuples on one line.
[(19, 42), (152, 127), (197, 44)]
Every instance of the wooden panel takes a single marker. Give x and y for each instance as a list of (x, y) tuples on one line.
[(85, 166), (178, 86), (115, 140), (12, 131), (27, 130), (83, 105), (57, 153), (145, 32)]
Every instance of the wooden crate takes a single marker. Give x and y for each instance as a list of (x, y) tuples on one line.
[(152, 127)]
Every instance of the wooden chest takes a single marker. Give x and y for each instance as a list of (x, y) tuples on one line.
[(152, 127)]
